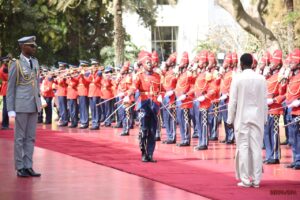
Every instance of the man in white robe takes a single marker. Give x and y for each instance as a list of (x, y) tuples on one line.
[(247, 113)]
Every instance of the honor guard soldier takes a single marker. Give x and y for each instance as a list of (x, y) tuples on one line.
[(155, 65), (200, 89), (184, 101), (72, 95), (263, 63), (287, 117), (195, 110), (224, 99), (169, 107), (48, 94), (149, 85), (23, 103), (4, 78), (126, 111), (83, 90), (61, 94), (107, 94), (274, 101), (214, 92), (293, 100), (94, 94)]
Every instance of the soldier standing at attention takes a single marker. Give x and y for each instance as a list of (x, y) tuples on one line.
[(23, 104)]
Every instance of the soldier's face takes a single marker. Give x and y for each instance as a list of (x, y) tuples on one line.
[(148, 65), (29, 49)]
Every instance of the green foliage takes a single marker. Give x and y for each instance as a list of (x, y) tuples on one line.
[(144, 8), (291, 17), (207, 45), (78, 33), (108, 55)]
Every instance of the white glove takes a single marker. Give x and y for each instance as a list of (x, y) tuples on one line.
[(126, 99), (121, 94), (201, 98), (295, 103), (163, 66), (11, 114), (44, 103), (270, 101), (266, 71), (182, 97), (169, 93), (223, 97), (159, 99), (195, 67), (176, 70), (157, 70)]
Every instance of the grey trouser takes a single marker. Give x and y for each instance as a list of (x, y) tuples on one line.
[(25, 130)]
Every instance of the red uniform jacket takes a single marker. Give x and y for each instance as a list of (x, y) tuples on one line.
[(185, 82), (148, 85), (200, 88), (95, 87), (83, 85), (169, 83), (106, 88), (47, 88), (225, 84), (274, 93), (72, 88), (293, 92), (4, 77), (61, 84)]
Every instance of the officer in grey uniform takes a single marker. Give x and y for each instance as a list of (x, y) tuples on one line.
[(23, 104)]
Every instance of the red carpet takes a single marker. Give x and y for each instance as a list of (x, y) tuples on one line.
[(185, 172)]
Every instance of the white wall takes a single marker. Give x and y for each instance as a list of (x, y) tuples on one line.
[(193, 17)]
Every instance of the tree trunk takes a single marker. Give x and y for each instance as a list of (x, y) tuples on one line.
[(290, 27), (119, 33), (248, 23)]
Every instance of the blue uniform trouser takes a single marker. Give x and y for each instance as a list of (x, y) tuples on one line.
[(48, 109), (195, 116), (295, 139), (84, 110), (120, 113), (158, 128), (170, 121), (126, 118), (213, 121), (287, 118), (271, 137), (63, 112), (229, 133), (101, 111), (202, 126), (73, 109), (184, 121), (94, 111), (147, 114), (5, 119), (108, 107)]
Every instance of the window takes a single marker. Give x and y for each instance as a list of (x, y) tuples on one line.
[(166, 2), (164, 40)]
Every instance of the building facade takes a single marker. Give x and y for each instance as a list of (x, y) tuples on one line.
[(179, 27)]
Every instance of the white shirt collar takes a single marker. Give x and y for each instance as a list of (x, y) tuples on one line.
[(27, 59)]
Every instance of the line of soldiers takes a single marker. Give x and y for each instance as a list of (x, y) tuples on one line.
[(193, 95)]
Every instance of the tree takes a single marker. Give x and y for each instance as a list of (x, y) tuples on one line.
[(144, 8), (76, 34), (119, 33), (248, 23)]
